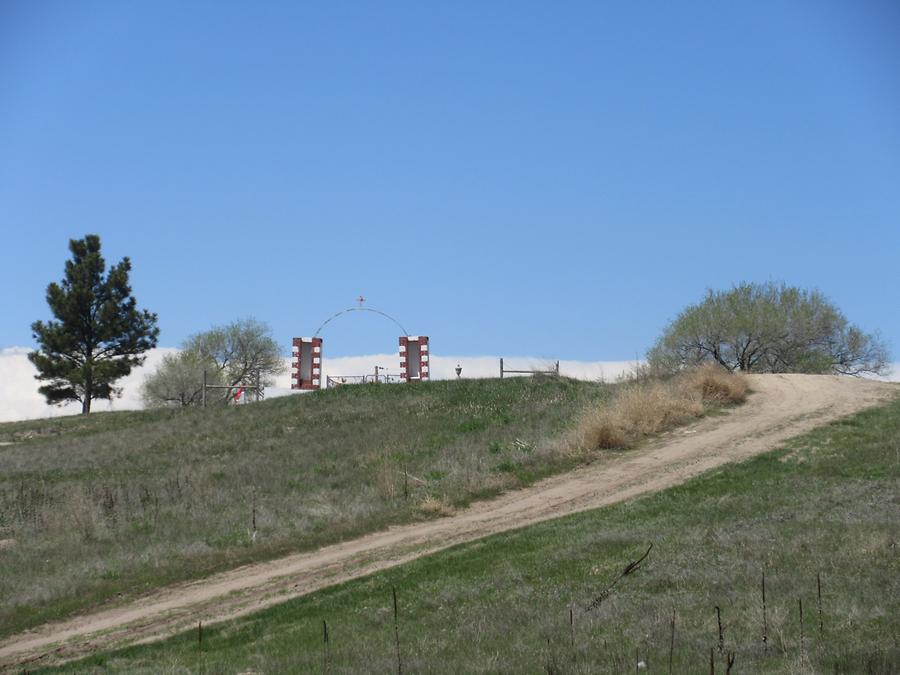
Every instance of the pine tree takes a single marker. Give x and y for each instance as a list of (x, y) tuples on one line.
[(98, 336)]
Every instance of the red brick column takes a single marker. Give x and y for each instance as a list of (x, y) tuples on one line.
[(306, 363), (420, 369)]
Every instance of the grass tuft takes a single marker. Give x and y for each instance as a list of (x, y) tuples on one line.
[(648, 406), (716, 385), (434, 506)]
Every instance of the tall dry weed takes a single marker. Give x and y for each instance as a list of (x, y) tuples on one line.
[(435, 506), (650, 406), (388, 477), (716, 385)]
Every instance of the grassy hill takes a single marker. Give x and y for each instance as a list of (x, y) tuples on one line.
[(96, 508), (819, 517)]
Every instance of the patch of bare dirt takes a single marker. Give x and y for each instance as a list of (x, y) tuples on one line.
[(780, 407)]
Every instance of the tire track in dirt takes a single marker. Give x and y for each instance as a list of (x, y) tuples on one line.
[(780, 407)]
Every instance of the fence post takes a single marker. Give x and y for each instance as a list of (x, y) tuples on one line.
[(501, 367), (204, 388)]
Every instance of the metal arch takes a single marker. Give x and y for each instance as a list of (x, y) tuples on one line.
[(358, 309)]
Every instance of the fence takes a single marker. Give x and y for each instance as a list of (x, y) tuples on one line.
[(552, 371), (257, 388), (384, 378)]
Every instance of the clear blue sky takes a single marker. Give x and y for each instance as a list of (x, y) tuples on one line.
[(549, 179)]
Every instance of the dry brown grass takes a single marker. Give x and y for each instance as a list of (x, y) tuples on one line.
[(716, 385), (435, 507), (649, 406)]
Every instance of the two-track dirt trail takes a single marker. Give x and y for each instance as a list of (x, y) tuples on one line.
[(780, 407)]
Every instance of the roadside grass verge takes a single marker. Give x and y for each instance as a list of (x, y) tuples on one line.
[(106, 507), (824, 508)]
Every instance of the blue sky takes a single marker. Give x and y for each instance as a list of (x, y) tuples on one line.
[(549, 179)]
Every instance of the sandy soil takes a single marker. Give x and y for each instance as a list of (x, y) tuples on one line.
[(780, 407)]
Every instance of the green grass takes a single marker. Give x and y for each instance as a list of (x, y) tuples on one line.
[(109, 506), (826, 504), (78, 425)]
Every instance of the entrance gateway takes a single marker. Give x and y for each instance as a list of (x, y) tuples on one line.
[(306, 356)]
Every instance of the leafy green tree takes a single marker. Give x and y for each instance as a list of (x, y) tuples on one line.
[(178, 381), (99, 334), (238, 352), (229, 355), (768, 328)]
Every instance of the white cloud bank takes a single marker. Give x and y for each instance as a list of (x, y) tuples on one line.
[(20, 400), (444, 368), (19, 397)]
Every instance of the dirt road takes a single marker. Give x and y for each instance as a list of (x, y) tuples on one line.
[(780, 407)]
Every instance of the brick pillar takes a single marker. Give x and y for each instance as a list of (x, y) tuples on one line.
[(306, 363), (414, 358)]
